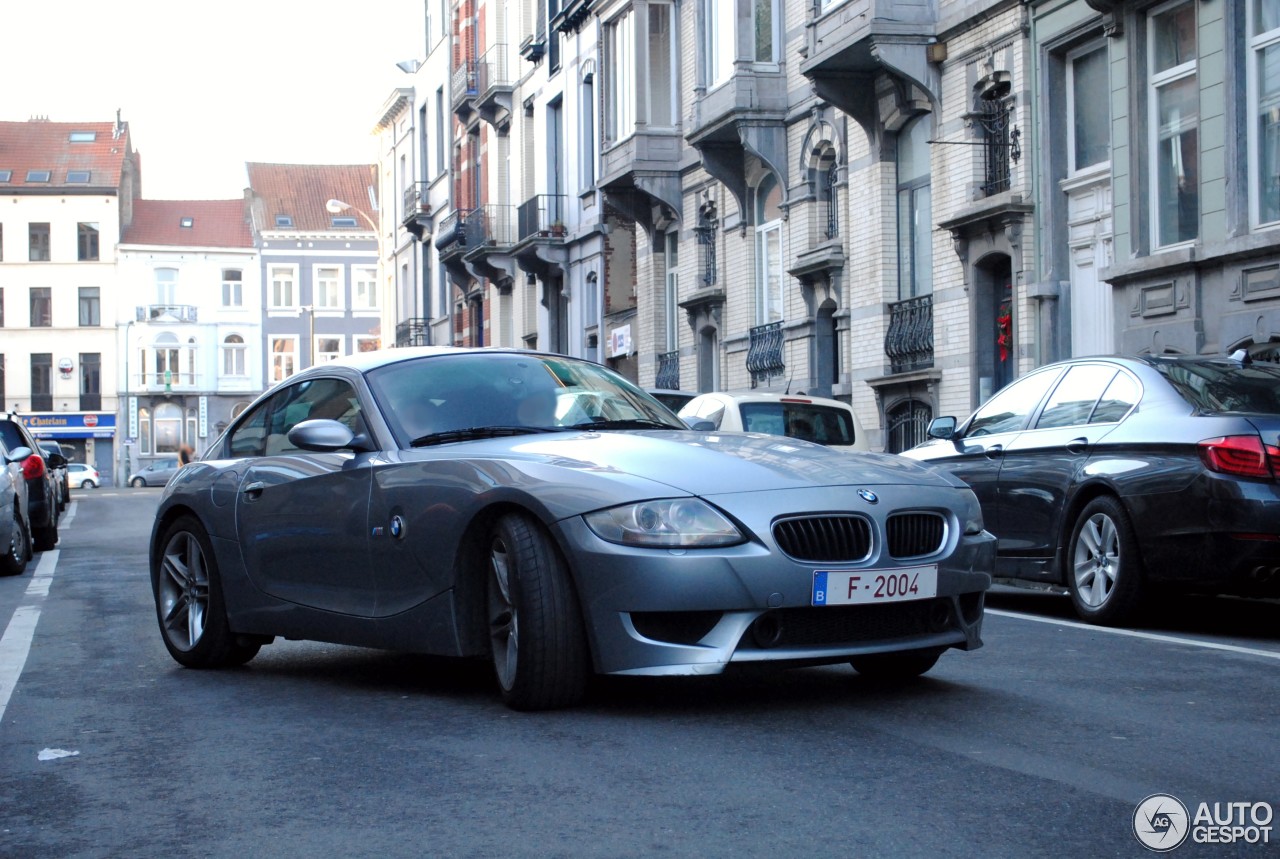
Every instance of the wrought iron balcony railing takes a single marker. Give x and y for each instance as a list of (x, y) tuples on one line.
[(465, 84), (167, 313), (668, 371), (764, 353), (541, 215), (909, 341), (411, 332)]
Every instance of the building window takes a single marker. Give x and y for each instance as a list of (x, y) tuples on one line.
[(907, 425), (1088, 116), (440, 138), (365, 289), (327, 349), (41, 307), (90, 381), (768, 205), (168, 428), (328, 288), (766, 29), (1174, 96), (38, 241), (915, 209), (999, 137), (42, 381), (367, 343), (1, 326), (1264, 106), (233, 355), (87, 242), (706, 234), (620, 68), (90, 307), (167, 356), (283, 279), (717, 41), (232, 288), (144, 431), (825, 176), (166, 287), (587, 131), (672, 291), (284, 357), (663, 62)]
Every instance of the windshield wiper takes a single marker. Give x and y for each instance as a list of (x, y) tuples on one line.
[(471, 433), (622, 424)]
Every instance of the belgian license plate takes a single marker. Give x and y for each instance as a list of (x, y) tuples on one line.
[(858, 587)]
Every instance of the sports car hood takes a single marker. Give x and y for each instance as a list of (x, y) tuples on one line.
[(704, 463)]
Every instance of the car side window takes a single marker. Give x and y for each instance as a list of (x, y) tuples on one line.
[(1008, 410), (1072, 402), (1121, 396), (333, 399), (249, 437)]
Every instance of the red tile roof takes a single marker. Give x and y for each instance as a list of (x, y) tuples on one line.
[(301, 191), (44, 145), (214, 224)]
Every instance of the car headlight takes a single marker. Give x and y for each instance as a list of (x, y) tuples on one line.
[(669, 523)]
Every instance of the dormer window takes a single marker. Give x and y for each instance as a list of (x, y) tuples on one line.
[(6, 175), (344, 222), (186, 223), (82, 136), (78, 177), (284, 220), (38, 175)]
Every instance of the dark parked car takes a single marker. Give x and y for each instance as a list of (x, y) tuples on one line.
[(1114, 476), (51, 451), (42, 486), (544, 512), (15, 522), (156, 473)]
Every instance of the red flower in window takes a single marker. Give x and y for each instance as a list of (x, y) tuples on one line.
[(1004, 326)]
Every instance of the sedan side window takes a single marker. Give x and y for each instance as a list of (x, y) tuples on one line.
[(1120, 396), (1073, 400), (249, 437), (1008, 410)]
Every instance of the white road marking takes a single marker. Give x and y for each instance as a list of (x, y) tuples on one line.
[(1150, 636), (68, 517), (16, 643)]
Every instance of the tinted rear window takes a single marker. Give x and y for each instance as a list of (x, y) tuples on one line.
[(1223, 387), (808, 421)]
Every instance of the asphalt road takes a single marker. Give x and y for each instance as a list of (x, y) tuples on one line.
[(1040, 744)]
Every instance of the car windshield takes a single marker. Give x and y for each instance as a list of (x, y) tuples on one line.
[(1221, 387), (441, 398)]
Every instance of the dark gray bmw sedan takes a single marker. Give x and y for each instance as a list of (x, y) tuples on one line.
[(1114, 477), (545, 512)]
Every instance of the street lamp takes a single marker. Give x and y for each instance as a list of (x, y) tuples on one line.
[(337, 207)]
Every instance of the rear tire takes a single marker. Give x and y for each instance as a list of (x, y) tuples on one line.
[(46, 538), (137, 483), (904, 665), (88, 484), (536, 634), (1104, 565), (15, 560), (189, 601)]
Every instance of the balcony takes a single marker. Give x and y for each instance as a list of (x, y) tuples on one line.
[(417, 210), (848, 45), (642, 171), (908, 344), (465, 87), (411, 332), (166, 313), (494, 99), (668, 371), (493, 228), (745, 115), (540, 234), (764, 353)]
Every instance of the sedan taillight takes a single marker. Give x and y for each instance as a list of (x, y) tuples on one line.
[(1241, 455), (33, 467)]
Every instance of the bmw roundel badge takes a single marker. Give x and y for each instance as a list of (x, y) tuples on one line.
[(868, 496)]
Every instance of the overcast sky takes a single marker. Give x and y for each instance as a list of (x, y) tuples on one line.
[(206, 87)]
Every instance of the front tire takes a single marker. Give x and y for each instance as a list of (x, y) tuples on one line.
[(536, 633), (14, 561), (904, 665), (189, 601), (137, 483), (1104, 571)]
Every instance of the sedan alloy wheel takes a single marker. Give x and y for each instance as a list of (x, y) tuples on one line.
[(1105, 575), (15, 560)]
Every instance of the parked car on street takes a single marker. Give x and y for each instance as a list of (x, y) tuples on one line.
[(156, 473), (1113, 477), (15, 521), (817, 419), (82, 476), (42, 487), (545, 512), (671, 398), (51, 450)]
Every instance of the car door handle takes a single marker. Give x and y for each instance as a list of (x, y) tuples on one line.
[(253, 491), (994, 452), (1078, 445)]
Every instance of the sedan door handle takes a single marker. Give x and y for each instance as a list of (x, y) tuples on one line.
[(1078, 445), (994, 452), (253, 491)]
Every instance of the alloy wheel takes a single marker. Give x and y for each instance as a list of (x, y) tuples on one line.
[(504, 630), (1096, 563), (184, 591)]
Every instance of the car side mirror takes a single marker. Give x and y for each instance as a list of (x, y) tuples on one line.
[(325, 435), (55, 460), (19, 453), (699, 424), (943, 428)]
